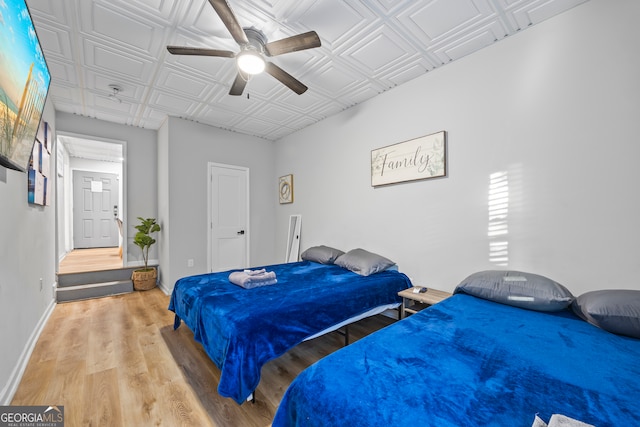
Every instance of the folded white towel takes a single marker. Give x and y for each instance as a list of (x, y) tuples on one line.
[(558, 420), (253, 279)]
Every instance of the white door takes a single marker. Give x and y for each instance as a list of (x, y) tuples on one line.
[(95, 207), (228, 217)]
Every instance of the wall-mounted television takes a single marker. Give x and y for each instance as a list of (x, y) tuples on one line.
[(24, 84)]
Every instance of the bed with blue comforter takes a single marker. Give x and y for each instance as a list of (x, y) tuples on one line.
[(242, 329), (469, 361)]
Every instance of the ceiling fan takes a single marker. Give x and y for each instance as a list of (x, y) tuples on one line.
[(253, 49)]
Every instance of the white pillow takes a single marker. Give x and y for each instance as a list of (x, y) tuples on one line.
[(559, 421)]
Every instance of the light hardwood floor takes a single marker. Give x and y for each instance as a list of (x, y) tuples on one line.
[(95, 259), (117, 361)]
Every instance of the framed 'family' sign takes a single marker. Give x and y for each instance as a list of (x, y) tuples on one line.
[(420, 158)]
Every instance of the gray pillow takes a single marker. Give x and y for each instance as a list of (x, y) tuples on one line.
[(322, 254), (614, 310), (516, 288), (363, 262)]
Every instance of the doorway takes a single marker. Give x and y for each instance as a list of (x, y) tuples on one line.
[(95, 209), (90, 203), (228, 203)]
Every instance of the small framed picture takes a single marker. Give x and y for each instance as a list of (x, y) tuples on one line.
[(285, 189)]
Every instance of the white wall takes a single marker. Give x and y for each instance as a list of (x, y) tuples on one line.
[(556, 107), (27, 271), (185, 149)]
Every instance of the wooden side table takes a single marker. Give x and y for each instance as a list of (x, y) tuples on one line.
[(414, 301)]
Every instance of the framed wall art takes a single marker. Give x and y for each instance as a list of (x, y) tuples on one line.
[(285, 189), (39, 180), (416, 159)]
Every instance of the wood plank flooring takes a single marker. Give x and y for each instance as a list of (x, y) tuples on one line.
[(95, 259), (117, 361)]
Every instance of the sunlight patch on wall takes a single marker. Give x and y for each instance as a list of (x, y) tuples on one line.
[(498, 229)]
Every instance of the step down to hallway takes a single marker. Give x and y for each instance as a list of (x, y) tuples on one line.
[(94, 290), (94, 284)]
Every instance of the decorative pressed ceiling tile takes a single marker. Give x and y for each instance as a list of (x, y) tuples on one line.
[(368, 47)]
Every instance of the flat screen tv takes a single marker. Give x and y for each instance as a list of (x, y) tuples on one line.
[(24, 84)]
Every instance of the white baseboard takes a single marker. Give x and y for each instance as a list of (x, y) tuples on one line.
[(7, 393), (164, 288), (152, 262)]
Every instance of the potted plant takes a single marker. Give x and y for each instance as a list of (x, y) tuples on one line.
[(145, 278)]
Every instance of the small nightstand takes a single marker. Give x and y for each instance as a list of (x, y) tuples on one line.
[(419, 300)]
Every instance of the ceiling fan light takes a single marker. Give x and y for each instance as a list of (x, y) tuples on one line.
[(250, 62)]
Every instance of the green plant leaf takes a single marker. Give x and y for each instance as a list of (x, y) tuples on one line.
[(142, 239)]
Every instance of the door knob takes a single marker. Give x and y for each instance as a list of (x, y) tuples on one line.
[(240, 232)]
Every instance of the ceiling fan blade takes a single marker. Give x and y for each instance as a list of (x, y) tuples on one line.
[(285, 78), (229, 20), (293, 44), (179, 50), (239, 84)]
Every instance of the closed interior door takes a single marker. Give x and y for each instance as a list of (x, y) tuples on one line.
[(95, 207), (228, 216)]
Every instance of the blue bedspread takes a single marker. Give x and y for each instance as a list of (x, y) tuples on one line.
[(472, 362), (242, 329)]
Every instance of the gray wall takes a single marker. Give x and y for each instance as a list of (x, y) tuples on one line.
[(27, 270), (185, 149), (555, 107)]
